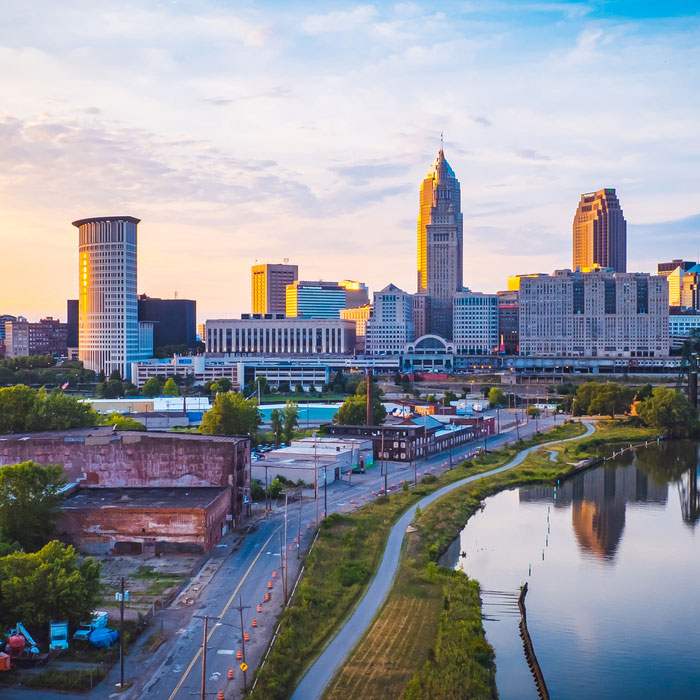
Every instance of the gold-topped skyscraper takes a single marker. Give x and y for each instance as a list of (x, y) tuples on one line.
[(600, 232), (440, 244)]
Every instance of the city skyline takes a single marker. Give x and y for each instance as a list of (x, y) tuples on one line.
[(282, 159)]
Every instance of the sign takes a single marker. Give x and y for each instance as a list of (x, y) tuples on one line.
[(244, 666)]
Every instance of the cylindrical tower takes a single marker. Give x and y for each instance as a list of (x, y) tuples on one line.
[(108, 324)]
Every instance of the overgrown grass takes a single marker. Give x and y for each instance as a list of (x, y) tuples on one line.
[(66, 680), (341, 564)]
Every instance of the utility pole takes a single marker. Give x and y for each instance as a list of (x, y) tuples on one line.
[(325, 489), (240, 609), (267, 494), (301, 494), (206, 618), (284, 573), (121, 636), (316, 478), (369, 396)]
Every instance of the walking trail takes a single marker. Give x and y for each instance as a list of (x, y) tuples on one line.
[(320, 673)]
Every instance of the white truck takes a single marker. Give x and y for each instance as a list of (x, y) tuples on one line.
[(58, 632), (99, 619)]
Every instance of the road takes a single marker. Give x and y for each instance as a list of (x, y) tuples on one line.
[(317, 677), (174, 671)]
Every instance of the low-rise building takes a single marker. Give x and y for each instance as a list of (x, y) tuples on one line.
[(257, 335), (47, 337), (681, 324)]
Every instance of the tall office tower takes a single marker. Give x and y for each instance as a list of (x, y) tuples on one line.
[(269, 287), (315, 299), (356, 293), (108, 325), (440, 246), (175, 320), (666, 268), (600, 232)]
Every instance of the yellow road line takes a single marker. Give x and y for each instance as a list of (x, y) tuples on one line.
[(221, 614)]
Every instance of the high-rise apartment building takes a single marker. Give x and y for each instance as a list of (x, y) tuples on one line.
[(475, 323), (108, 325), (269, 287), (315, 299), (601, 313), (440, 243), (600, 232), (391, 324)]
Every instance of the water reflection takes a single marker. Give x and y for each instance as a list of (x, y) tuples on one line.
[(598, 500)]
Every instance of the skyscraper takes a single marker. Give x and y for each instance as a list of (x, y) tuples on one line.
[(269, 287), (108, 326), (315, 299), (440, 246), (600, 232)]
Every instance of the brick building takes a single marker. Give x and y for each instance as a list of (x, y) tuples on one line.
[(207, 476)]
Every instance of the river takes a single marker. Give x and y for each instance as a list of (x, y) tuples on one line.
[(612, 561)]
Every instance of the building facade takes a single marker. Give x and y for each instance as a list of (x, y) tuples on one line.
[(174, 320), (666, 268), (508, 322), (681, 325), (269, 287), (600, 232), (281, 336), (315, 299), (440, 244), (356, 293), (391, 324), (47, 337), (360, 315), (594, 314), (475, 323), (108, 325)]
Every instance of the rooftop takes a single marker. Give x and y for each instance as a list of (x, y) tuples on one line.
[(191, 497), (107, 432)]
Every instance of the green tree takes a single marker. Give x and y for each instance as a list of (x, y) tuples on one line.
[(644, 392), (16, 403), (448, 398), (533, 411), (153, 387), (222, 385), (312, 389), (668, 410), (115, 375), (29, 494), (354, 411), (123, 422), (57, 411), (290, 419), (171, 388), (298, 388), (276, 422), (113, 389), (53, 583), (231, 414), (397, 379), (497, 397)]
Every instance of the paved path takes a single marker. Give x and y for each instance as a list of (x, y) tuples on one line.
[(317, 677)]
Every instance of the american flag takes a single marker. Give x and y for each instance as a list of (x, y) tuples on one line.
[(65, 386)]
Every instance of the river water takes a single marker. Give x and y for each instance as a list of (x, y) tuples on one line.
[(612, 561)]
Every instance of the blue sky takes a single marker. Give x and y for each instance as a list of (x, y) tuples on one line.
[(265, 131)]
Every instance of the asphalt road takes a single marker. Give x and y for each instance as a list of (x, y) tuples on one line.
[(317, 677), (174, 671)]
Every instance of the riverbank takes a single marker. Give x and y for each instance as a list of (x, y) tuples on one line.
[(454, 649), (341, 566)]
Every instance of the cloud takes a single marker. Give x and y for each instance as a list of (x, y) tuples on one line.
[(362, 174), (531, 154), (339, 20)]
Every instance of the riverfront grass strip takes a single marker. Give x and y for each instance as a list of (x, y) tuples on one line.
[(341, 565)]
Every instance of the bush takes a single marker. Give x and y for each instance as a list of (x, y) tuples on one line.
[(429, 479), (351, 573), (66, 680)]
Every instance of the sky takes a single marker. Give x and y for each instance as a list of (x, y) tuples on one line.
[(241, 132)]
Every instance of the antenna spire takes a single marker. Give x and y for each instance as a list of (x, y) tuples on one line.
[(441, 142)]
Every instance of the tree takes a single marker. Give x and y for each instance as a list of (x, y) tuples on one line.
[(222, 385), (115, 375), (497, 397), (57, 411), (533, 411), (171, 388), (398, 379), (101, 376), (595, 398), (16, 404), (153, 387), (123, 422), (231, 414), (354, 411), (448, 398), (52, 583), (29, 493), (644, 392), (298, 388), (668, 410), (113, 389), (312, 388), (290, 419), (276, 422)]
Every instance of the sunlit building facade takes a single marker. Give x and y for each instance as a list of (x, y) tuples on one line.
[(600, 232), (269, 287), (108, 325), (391, 325), (315, 299), (440, 244)]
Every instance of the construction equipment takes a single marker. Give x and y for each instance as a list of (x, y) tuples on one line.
[(22, 648), (58, 634), (99, 619)]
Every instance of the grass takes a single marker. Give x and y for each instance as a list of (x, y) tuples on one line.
[(66, 680), (340, 567)]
